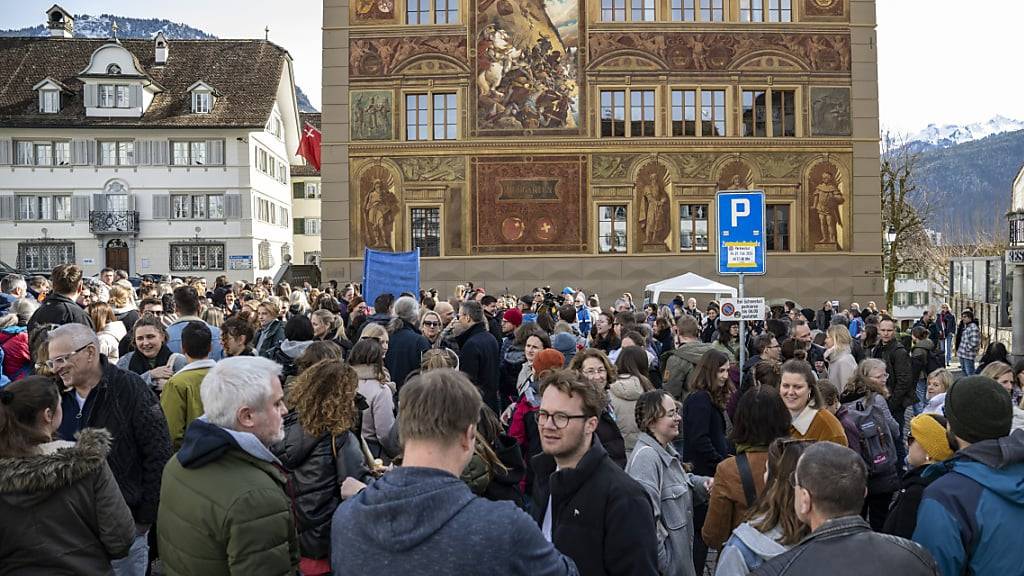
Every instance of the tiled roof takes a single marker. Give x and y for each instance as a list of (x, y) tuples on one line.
[(305, 169), (246, 72)]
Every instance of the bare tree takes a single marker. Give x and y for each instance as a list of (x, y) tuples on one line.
[(908, 251)]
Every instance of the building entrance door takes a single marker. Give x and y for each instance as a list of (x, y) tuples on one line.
[(117, 255)]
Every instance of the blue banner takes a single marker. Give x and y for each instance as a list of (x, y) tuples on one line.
[(393, 272)]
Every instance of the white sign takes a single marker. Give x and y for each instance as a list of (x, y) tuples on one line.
[(749, 309), (1015, 256), (145, 264), (88, 261)]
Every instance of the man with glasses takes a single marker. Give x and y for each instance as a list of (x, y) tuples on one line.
[(830, 482), (588, 507), (101, 395)]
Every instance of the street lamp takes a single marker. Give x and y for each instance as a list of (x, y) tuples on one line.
[(890, 235)]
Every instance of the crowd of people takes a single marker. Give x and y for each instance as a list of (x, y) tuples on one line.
[(270, 429)]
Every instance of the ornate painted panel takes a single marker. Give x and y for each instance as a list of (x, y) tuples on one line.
[(830, 111), (372, 115), (524, 204), (432, 168), (379, 206), (373, 12), (375, 57), (527, 66), (827, 220), (653, 187), (825, 9)]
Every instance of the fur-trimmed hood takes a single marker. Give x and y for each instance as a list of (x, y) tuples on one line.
[(24, 482)]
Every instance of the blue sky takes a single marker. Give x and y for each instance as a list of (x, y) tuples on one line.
[(941, 61)]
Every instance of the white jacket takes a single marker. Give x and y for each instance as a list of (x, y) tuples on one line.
[(110, 338)]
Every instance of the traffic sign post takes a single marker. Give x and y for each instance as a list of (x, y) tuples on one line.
[(741, 247)]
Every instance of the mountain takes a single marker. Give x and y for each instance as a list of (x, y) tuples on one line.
[(966, 187), (951, 134), (87, 26)]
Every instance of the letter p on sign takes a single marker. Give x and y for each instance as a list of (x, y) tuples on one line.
[(740, 209)]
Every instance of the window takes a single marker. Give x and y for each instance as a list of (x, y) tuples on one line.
[(274, 126), (613, 10), (199, 207), (420, 109), (42, 153), (202, 102), (270, 213), (611, 229), (181, 206), (312, 190), (215, 206), (693, 228), (268, 164), (44, 208), (44, 256), (189, 153), (446, 11), (684, 10), (776, 10), (425, 230), (121, 96), (311, 226), (120, 153), (51, 102), (187, 257), (712, 10), (113, 95), (417, 12), (780, 11), (711, 110), (641, 113), (780, 122), (777, 224), (643, 10), (266, 258)]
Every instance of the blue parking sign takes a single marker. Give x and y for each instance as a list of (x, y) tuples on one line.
[(741, 242)]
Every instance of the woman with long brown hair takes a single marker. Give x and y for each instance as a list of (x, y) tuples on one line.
[(630, 383), (593, 365), (367, 359), (321, 452), (772, 526)]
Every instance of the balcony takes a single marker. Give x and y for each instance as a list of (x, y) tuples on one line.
[(114, 221)]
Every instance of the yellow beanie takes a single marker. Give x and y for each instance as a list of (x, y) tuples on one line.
[(932, 437)]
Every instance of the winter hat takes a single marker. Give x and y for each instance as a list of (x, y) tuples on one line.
[(931, 436), (546, 360), (978, 408), (513, 316)]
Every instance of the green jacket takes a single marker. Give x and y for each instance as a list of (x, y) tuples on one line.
[(180, 399), (679, 365), (224, 509)]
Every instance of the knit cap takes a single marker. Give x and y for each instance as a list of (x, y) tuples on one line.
[(546, 360), (513, 316), (978, 408), (927, 432)]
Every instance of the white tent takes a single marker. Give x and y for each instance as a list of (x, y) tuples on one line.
[(687, 284)]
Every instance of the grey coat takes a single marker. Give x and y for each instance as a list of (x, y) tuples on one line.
[(671, 490)]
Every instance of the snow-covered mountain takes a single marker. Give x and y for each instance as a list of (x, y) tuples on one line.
[(87, 26), (951, 135)]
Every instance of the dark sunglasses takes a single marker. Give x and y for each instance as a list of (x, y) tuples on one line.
[(432, 324)]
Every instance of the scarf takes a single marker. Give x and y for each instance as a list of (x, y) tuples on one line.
[(139, 364)]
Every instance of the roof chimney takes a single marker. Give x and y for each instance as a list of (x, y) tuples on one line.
[(160, 42), (61, 24)]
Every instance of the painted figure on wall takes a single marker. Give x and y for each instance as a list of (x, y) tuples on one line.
[(736, 175), (826, 200), (379, 208), (527, 64), (372, 115), (652, 195), (831, 111), (373, 10)]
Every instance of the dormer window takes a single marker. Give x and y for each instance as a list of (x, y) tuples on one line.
[(202, 102), (114, 70), (49, 101), (113, 96)]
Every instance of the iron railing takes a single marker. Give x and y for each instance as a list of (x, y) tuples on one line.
[(113, 221)]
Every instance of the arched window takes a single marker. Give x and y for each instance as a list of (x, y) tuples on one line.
[(113, 69), (266, 258)]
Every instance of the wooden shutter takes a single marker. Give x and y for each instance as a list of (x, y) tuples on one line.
[(40, 100), (298, 225), (5, 151), (80, 208), (79, 152), (161, 207), (99, 202), (7, 207), (232, 206), (161, 153), (91, 95), (90, 150), (215, 149), (246, 204), (143, 152), (135, 96)]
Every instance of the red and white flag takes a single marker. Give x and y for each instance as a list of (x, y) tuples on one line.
[(309, 145)]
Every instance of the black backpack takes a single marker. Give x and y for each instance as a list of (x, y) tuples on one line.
[(875, 445), (936, 360)]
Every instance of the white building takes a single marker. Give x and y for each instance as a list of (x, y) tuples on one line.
[(152, 156), (306, 204)]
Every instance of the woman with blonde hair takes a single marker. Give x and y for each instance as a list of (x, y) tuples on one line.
[(939, 382), (1002, 373), (271, 329), (108, 328), (122, 301), (321, 453), (841, 364)]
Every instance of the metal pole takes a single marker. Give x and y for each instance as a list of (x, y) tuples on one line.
[(1017, 346), (743, 334)]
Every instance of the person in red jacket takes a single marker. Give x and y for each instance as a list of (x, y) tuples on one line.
[(14, 342)]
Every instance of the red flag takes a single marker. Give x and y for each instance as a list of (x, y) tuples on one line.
[(309, 145)]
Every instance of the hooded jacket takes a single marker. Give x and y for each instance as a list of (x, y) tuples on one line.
[(897, 364), (223, 507), (287, 353), (624, 392), (17, 359), (747, 549), (919, 354), (424, 521), (180, 399), (79, 521), (110, 339), (513, 356), (679, 367), (902, 518), (970, 516), (568, 344)]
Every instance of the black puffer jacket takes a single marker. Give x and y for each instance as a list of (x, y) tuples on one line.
[(129, 410), (902, 518), (478, 359), (316, 470), (58, 309)]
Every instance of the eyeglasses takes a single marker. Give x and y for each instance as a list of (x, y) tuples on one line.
[(560, 419), (671, 413), (432, 324), (594, 371), (59, 361)]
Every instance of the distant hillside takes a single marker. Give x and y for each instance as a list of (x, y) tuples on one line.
[(87, 26), (968, 185)]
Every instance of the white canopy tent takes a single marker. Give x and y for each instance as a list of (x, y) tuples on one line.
[(687, 284)]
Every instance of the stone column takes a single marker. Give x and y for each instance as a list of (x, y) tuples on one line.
[(1017, 349)]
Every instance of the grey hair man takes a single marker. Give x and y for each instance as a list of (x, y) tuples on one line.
[(406, 343), (101, 395), (225, 476), (14, 296), (478, 352)]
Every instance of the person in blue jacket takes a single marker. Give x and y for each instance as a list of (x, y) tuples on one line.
[(970, 517)]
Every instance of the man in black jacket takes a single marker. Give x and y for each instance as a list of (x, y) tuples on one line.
[(490, 304), (897, 364), (102, 395), (60, 306), (478, 352), (406, 343), (830, 484), (587, 506)]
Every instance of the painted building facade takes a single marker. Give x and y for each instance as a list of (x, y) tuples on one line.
[(526, 142)]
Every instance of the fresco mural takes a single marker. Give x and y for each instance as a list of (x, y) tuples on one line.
[(373, 12), (827, 227), (652, 197), (380, 206), (830, 112), (527, 65), (372, 115)]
